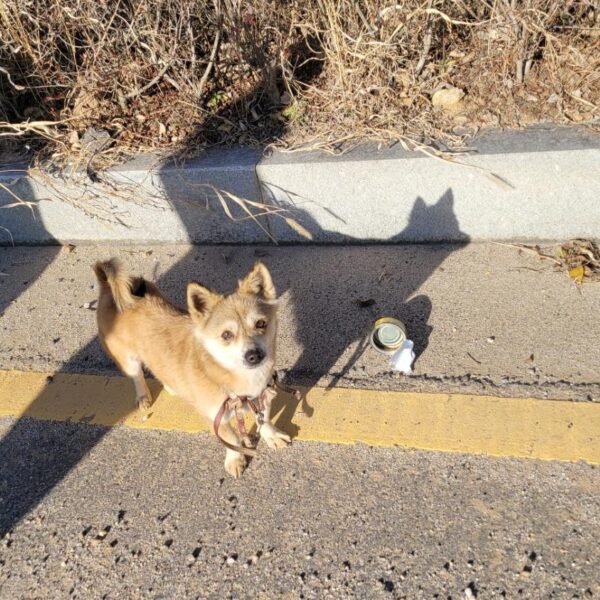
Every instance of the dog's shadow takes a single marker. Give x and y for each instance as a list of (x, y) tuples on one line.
[(328, 322)]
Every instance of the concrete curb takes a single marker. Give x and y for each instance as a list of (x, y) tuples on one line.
[(551, 191)]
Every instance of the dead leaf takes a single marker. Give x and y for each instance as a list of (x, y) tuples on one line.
[(577, 274)]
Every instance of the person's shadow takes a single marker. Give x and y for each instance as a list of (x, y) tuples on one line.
[(31, 467)]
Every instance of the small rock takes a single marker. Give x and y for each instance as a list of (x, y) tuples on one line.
[(190, 559), (95, 140), (460, 130), (526, 572), (491, 339), (231, 559), (448, 99), (576, 116)]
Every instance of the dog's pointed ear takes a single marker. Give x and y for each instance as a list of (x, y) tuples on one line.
[(200, 300), (259, 283)]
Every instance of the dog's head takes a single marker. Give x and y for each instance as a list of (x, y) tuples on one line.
[(238, 330)]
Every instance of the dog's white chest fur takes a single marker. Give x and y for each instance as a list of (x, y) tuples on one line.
[(255, 380)]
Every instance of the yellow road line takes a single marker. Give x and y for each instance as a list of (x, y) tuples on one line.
[(524, 427)]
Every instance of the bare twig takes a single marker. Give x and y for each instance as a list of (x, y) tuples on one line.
[(19, 201), (213, 54), (150, 84), (17, 87), (364, 19), (531, 250), (426, 42), (473, 358), (12, 239), (583, 101)]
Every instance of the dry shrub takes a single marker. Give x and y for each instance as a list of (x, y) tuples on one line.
[(518, 61), (183, 74)]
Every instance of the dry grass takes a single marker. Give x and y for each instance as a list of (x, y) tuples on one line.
[(179, 75)]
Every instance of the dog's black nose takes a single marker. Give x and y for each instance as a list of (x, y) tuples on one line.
[(254, 357)]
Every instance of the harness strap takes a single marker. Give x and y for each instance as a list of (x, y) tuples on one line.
[(217, 424), (285, 388)]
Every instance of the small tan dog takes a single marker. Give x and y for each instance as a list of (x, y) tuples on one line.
[(223, 346)]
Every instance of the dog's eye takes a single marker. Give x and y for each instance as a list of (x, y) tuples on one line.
[(261, 324), (227, 336)]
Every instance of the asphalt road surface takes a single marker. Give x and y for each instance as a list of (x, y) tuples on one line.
[(153, 515)]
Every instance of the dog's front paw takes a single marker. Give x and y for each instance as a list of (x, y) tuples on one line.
[(143, 402), (274, 437), (235, 464)]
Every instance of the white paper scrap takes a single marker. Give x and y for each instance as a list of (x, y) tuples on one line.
[(403, 358)]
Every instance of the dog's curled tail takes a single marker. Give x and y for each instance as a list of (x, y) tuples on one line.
[(112, 275)]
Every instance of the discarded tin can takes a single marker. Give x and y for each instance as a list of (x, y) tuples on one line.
[(388, 335)]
